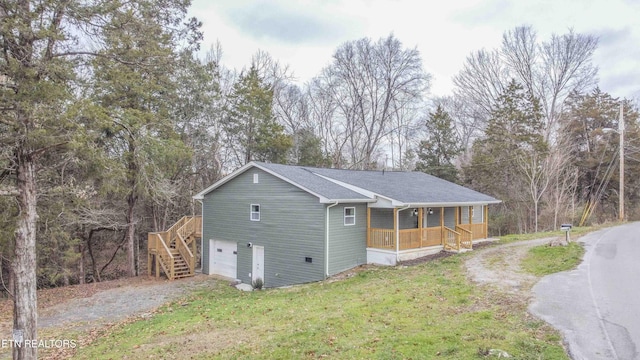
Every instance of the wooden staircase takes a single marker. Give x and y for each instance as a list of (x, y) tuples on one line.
[(457, 240), (174, 250)]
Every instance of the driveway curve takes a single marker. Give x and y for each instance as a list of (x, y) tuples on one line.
[(597, 305)]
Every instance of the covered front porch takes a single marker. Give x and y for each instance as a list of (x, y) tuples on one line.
[(410, 232)]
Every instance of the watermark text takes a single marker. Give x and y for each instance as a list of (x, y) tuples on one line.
[(41, 343)]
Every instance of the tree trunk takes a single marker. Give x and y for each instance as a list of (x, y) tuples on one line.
[(113, 256), (535, 215), (11, 281), (94, 266), (25, 314), (131, 235), (132, 168), (81, 265)]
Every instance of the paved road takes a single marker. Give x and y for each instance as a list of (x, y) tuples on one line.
[(597, 305)]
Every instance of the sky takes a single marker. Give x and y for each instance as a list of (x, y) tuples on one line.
[(305, 34)]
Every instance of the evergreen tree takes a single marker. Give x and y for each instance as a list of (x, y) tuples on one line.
[(514, 136), (310, 149), (590, 125), (251, 127), (36, 75), (134, 93), (437, 153)]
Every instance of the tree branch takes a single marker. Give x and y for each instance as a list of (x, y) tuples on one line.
[(5, 121), (8, 191), (110, 57), (42, 150)]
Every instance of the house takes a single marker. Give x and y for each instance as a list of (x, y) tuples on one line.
[(295, 224)]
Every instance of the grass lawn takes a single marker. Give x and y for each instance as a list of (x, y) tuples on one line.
[(575, 232), (545, 260), (425, 311)]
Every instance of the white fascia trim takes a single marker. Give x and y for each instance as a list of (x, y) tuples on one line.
[(344, 201), (244, 168), (449, 204), (359, 190)]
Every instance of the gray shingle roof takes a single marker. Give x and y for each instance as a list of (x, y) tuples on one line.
[(314, 183), (405, 187)]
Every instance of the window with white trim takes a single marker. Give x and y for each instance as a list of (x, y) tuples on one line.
[(255, 178), (349, 216), (255, 212)]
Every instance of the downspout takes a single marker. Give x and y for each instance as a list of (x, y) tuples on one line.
[(398, 231), (201, 235), (326, 245)]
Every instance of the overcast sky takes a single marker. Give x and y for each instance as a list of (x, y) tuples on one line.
[(305, 34)]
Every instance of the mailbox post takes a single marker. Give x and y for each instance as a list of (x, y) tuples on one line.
[(567, 229)]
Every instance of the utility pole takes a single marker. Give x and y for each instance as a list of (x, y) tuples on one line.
[(621, 191)]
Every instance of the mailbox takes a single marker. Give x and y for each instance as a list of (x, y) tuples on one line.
[(566, 227)]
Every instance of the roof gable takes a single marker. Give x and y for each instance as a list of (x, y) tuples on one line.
[(326, 191), (336, 185)]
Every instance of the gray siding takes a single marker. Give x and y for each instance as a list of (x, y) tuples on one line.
[(407, 220), (383, 219), (347, 243), (478, 213), (450, 217), (291, 227), (464, 215), (433, 220)]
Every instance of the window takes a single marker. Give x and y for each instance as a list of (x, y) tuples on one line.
[(255, 178), (349, 216), (255, 212)]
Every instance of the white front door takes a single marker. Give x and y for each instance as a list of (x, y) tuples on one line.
[(223, 258), (258, 263)]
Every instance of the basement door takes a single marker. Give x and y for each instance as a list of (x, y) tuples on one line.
[(223, 258), (258, 263)]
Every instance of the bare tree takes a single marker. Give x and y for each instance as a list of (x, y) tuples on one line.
[(291, 110), (406, 125), (322, 116), (368, 82), (550, 70), (566, 67), (519, 53), (482, 80), (540, 172)]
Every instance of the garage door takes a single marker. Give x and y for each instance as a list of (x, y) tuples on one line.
[(223, 258)]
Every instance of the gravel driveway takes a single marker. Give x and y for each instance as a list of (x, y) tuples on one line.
[(110, 303), (118, 303), (499, 266)]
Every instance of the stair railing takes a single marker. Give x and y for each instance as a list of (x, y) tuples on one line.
[(186, 253), (466, 238), (451, 239), (173, 230), (165, 257)]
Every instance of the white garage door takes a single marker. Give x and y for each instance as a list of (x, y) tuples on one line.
[(223, 258)]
